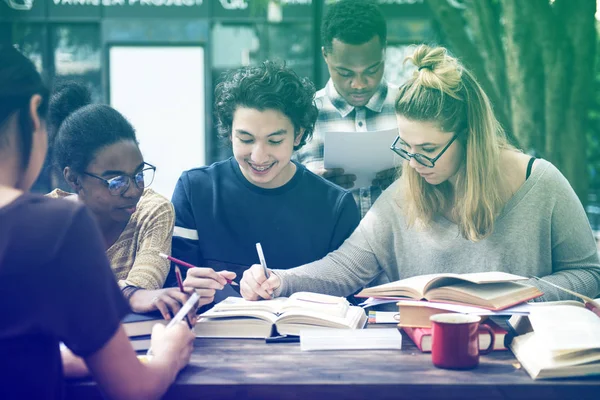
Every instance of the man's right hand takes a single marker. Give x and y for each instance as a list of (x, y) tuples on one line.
[(336, 175)]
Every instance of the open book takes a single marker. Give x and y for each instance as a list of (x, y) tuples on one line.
[(238, 318), (558, 341), (492, 290)]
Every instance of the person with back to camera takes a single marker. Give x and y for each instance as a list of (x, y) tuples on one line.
[(54, 273), (466, 202), (96, 149)]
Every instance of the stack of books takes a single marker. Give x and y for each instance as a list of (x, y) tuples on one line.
[(139, 328), (484, 293)]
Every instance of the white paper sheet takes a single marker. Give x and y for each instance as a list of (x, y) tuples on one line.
[(350, 339), (361, 153)]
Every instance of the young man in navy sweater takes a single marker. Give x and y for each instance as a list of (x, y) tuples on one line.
[(266, 113)]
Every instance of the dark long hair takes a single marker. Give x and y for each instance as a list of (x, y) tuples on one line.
[(19, 80)]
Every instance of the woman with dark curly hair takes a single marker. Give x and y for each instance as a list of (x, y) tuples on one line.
[(266, 113)]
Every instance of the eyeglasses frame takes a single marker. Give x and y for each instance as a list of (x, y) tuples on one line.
[(147, 166), (407, 156)]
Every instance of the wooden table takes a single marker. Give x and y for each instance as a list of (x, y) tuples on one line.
[(252, 369)]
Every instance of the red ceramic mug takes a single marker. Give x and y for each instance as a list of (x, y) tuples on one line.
[(455, 340)]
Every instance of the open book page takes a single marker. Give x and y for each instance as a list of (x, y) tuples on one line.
[(321, 303), (240, 313), (474, 277), (417, 287), (239, 304), (413, 287), (494, 295), (316, 302), (566, 328), (291, 322)]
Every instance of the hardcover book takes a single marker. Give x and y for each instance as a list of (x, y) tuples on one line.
[(491, 290), (422, 337), (238, 318)]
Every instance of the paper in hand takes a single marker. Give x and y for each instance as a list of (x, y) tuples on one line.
[(363, 154)]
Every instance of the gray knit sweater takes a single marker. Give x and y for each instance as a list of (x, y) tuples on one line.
[(542, 231)]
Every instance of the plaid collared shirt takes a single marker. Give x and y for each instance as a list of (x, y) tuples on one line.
[(336, 115)]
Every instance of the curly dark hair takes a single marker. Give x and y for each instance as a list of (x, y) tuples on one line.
[(269, 85), (353, 22)]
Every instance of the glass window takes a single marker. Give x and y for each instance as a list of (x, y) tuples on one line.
[(233, 45), (396, 71), (292, 43), (77, 55), (30, 40), (403, 33)]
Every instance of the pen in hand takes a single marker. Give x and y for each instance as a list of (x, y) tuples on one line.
[(188, 265), (261, 257), (183, 312)]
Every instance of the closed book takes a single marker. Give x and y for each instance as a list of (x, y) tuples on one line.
[(140, 343), (557, 340), (422, 337), (136, 324), (416, 314), (491, 290), (238, 318)]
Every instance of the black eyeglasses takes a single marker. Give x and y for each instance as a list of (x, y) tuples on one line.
[(119, 184), (421, 158)]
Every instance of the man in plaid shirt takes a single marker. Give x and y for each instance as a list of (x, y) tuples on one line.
[(356, 98)]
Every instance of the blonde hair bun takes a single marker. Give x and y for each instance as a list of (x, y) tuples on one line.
[(436, 69)]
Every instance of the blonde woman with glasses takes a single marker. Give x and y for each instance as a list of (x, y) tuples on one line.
[(466, 202)]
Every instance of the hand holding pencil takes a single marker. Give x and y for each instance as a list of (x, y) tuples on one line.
[(204, 281)]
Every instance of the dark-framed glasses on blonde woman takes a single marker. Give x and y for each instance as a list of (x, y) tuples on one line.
[(420, 158)]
